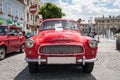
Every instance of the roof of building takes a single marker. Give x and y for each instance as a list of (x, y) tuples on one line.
[(108, 18)]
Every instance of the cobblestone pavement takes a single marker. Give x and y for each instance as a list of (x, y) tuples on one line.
[(107, 67)]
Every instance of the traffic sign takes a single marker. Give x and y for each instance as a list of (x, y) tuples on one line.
[(33, 9)]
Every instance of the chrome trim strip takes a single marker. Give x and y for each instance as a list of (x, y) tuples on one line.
[(83, 60)]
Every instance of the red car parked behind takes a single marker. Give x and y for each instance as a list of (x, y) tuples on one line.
[(11, 39)]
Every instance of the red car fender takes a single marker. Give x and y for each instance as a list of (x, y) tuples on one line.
[(4, 43)]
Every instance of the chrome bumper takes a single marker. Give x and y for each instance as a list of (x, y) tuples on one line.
[(39, 60), (83, 60)]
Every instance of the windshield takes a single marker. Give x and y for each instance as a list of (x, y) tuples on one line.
[(59, 25), (3, 30)]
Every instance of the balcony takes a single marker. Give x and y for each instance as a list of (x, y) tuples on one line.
[(1, 12), (10, 15)]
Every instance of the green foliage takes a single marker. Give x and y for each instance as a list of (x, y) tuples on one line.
[(50, 10)]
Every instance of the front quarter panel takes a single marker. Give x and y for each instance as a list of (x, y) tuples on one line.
[(4, 42), (33, 52), (89, 52)]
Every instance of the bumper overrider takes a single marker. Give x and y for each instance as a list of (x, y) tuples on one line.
[(39, 60)]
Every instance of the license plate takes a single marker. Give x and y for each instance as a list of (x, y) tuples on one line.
[(61, 60)]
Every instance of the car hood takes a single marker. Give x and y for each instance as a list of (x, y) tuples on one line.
[(65, 35)]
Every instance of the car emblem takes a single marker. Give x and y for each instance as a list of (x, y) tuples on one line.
[(60, 39)]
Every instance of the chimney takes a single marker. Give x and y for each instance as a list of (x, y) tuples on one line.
[(109, 16)]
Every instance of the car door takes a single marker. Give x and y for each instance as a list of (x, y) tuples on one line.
[(21, 37), (13, 40)]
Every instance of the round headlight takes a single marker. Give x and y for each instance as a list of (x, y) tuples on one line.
[(93, 43), (29, 43)]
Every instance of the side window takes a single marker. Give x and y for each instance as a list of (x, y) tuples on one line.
[(13, 32), (19, 32)]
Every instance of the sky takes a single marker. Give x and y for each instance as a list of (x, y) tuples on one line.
[(87, 9)]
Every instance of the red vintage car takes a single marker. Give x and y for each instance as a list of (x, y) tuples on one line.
[(59, 41), (11, 39)]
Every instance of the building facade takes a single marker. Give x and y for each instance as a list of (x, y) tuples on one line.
[(32, 20), (106, 24), (87, 26), (12, 12)]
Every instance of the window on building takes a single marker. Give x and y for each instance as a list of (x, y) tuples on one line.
[(31, 3), (31, 17), (20, 14), (0, 7), (9, 9), (28, 2), (39, 6), (27, 16), (23, 15), (16, 12), (36, 18)]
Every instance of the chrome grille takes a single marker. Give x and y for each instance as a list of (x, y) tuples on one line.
[(61, 49)]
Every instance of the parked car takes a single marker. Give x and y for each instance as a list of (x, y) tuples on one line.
[(118, 41), (11, 39), (60, 42)]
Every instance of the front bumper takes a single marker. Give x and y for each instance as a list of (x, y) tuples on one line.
[(83, 60)]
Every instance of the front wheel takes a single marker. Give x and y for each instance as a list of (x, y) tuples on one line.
[(2, 53), (33, 68), (87, 68)]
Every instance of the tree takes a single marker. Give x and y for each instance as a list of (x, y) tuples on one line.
[(50, 10)]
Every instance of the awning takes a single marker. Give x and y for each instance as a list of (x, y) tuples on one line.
[(18, 24), (9, 22), (1, 21)]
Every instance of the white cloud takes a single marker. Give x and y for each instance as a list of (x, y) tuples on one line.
[(117, 3), (88, 8)]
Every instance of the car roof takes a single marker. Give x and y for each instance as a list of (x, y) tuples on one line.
[(12, 26)]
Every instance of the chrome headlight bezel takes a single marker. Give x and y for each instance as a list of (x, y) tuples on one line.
[(29, 43), (93, 43)]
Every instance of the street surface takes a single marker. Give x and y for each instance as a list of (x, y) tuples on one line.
[(107, 67)]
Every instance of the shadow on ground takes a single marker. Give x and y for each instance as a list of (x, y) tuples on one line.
[(55, 72), (12, 54), (117, 50)]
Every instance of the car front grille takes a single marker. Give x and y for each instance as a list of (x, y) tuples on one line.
[(61, 49)]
